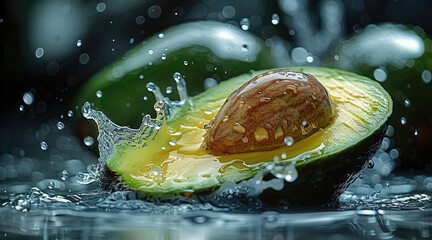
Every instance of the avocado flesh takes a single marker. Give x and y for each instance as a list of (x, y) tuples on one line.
[(361, 110)]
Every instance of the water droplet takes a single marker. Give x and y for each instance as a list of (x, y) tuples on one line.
[(99, 93), (101, 7), (85, 178), (403, 121), (70, 113), (380, 75), (157, 171), (131, 40), (20, 203), (60, 126), (86, 110), (289, 141), (245, 24), (43, 145), (161, 35), (88, 141), (238, 128), (141, 76), (276, 159), (245, 139), (154, 11), (225, 119), (260, 134), (185, 63), (291, 173), (208, 111), (177, 76), (21, 108), (28, 98), (371, 164), (426, 76), (172, 142), (64, 175), (145, 98), (150, 51), (264, 99), (387, 185), (299, 54), (309, 59), (228, 12), (163, 148), (169, 90), (84, 58), (275, 19), (51, 185), (407, 103), (415, 132), (79, 43), (245, 48), (209, 83), (164, 56), (140, 20), (39, 52)]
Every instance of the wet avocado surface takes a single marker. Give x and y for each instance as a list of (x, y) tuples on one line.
[(174, 161)]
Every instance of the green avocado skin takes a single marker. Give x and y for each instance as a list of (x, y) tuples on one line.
[(403, 82), (197, 50), (321, 182)]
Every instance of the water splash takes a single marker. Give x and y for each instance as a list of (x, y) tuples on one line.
[(172, 106), (112, 135)]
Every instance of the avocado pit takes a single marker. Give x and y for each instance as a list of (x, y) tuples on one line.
[(264, 111)]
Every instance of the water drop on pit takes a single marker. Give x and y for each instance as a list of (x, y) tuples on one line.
[(163, 57), (185, 63), (21, 108), (51, 185), (403, 121), (79, 43), (289, 141), (70, 113), (161, 35)]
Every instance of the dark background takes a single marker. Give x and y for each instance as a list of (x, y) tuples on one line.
[(27, 25)]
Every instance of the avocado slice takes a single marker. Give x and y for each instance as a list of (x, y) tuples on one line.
[(168, 158), (198, 50)]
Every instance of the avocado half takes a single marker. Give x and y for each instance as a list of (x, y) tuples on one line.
[(172, 161)]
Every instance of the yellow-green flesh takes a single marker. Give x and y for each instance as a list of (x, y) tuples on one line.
[(361, 107)]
